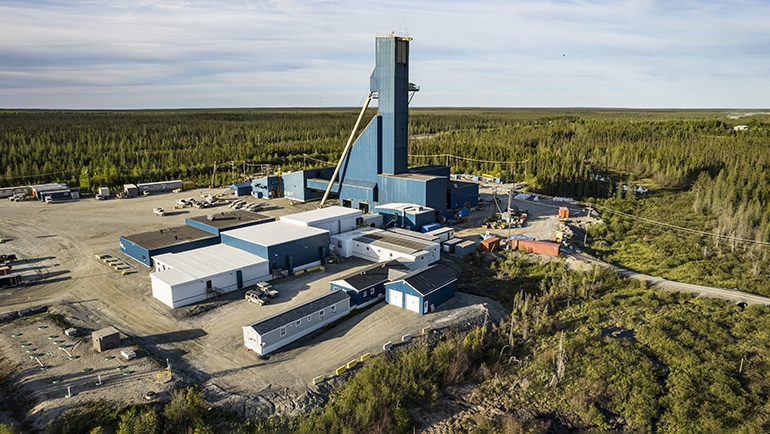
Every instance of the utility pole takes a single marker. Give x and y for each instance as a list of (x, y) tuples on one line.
[(585, 236), (508, 240)]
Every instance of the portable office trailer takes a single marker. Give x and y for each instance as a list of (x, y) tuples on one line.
[(449, 245), (106, 339), (272, 333), (5, 192), (286, 246), (368, 285), (159, 187), (193, 276), (423, 290), (335, 219), (143, 246), (465, 248)]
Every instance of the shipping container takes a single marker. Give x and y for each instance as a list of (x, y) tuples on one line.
[(104, 191), (5, 270), (563, 212), (540, 247), (489, 244)]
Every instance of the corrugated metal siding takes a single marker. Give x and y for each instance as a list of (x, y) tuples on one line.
[(363, 161), (135, 251)]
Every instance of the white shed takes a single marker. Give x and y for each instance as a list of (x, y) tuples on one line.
[(195, 275)]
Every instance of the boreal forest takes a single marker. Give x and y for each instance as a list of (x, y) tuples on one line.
[(681, 194)]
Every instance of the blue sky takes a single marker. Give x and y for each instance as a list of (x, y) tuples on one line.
[(288, 53)]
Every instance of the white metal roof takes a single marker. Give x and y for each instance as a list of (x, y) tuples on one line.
[(322, 214), (273, 233), (203, 262)]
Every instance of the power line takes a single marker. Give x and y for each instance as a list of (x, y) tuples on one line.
[(457, 157), (678, 228)]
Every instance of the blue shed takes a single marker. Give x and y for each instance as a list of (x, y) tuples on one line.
[(145, 245), (423, 290), (368, 285), (241, 188)]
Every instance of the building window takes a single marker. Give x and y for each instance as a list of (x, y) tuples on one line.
[(309, 318), (321, 315), (298, 322), (283, 331), (371, 291), (334, 308)]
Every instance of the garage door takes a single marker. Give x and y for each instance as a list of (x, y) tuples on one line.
[(394, 298), (412, 303)]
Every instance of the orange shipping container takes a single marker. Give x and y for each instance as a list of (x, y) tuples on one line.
[(540, 247), (489, 244)]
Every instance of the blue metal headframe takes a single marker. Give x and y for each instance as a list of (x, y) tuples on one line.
[(390, 80)]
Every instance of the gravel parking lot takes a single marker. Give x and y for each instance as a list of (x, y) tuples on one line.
[(57, 245)]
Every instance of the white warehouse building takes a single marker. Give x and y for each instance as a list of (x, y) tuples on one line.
[(335, 219), (195, 275)]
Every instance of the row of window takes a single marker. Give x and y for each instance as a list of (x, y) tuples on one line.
[(298, 322)]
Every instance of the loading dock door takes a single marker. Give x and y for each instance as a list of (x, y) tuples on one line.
[(395, 298), (412, 303)]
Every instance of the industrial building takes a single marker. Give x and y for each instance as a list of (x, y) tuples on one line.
[(216, 223), (276, 331), (378, 245), (335, 219), (286, 246), (368, 285), (196, 275), (422, 290), (374, 170), (144, 246), (54, 192)]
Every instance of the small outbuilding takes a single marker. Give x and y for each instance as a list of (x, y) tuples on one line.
[(423, 290), (335, 219), (276, 331), (106, 339), (368, 285)]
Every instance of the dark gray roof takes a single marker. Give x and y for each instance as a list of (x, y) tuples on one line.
[(169, 237), (427, 280), (372, 275), (289, 316), (232, 219), (398, 240)]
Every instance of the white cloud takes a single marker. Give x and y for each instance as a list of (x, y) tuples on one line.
[(632, 53)]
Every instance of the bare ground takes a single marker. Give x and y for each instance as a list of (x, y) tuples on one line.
[(57, 246)]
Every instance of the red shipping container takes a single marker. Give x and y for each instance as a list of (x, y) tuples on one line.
[(5, 270)]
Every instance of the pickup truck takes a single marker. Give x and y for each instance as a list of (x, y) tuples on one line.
[(255, 296), (266, 289)]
